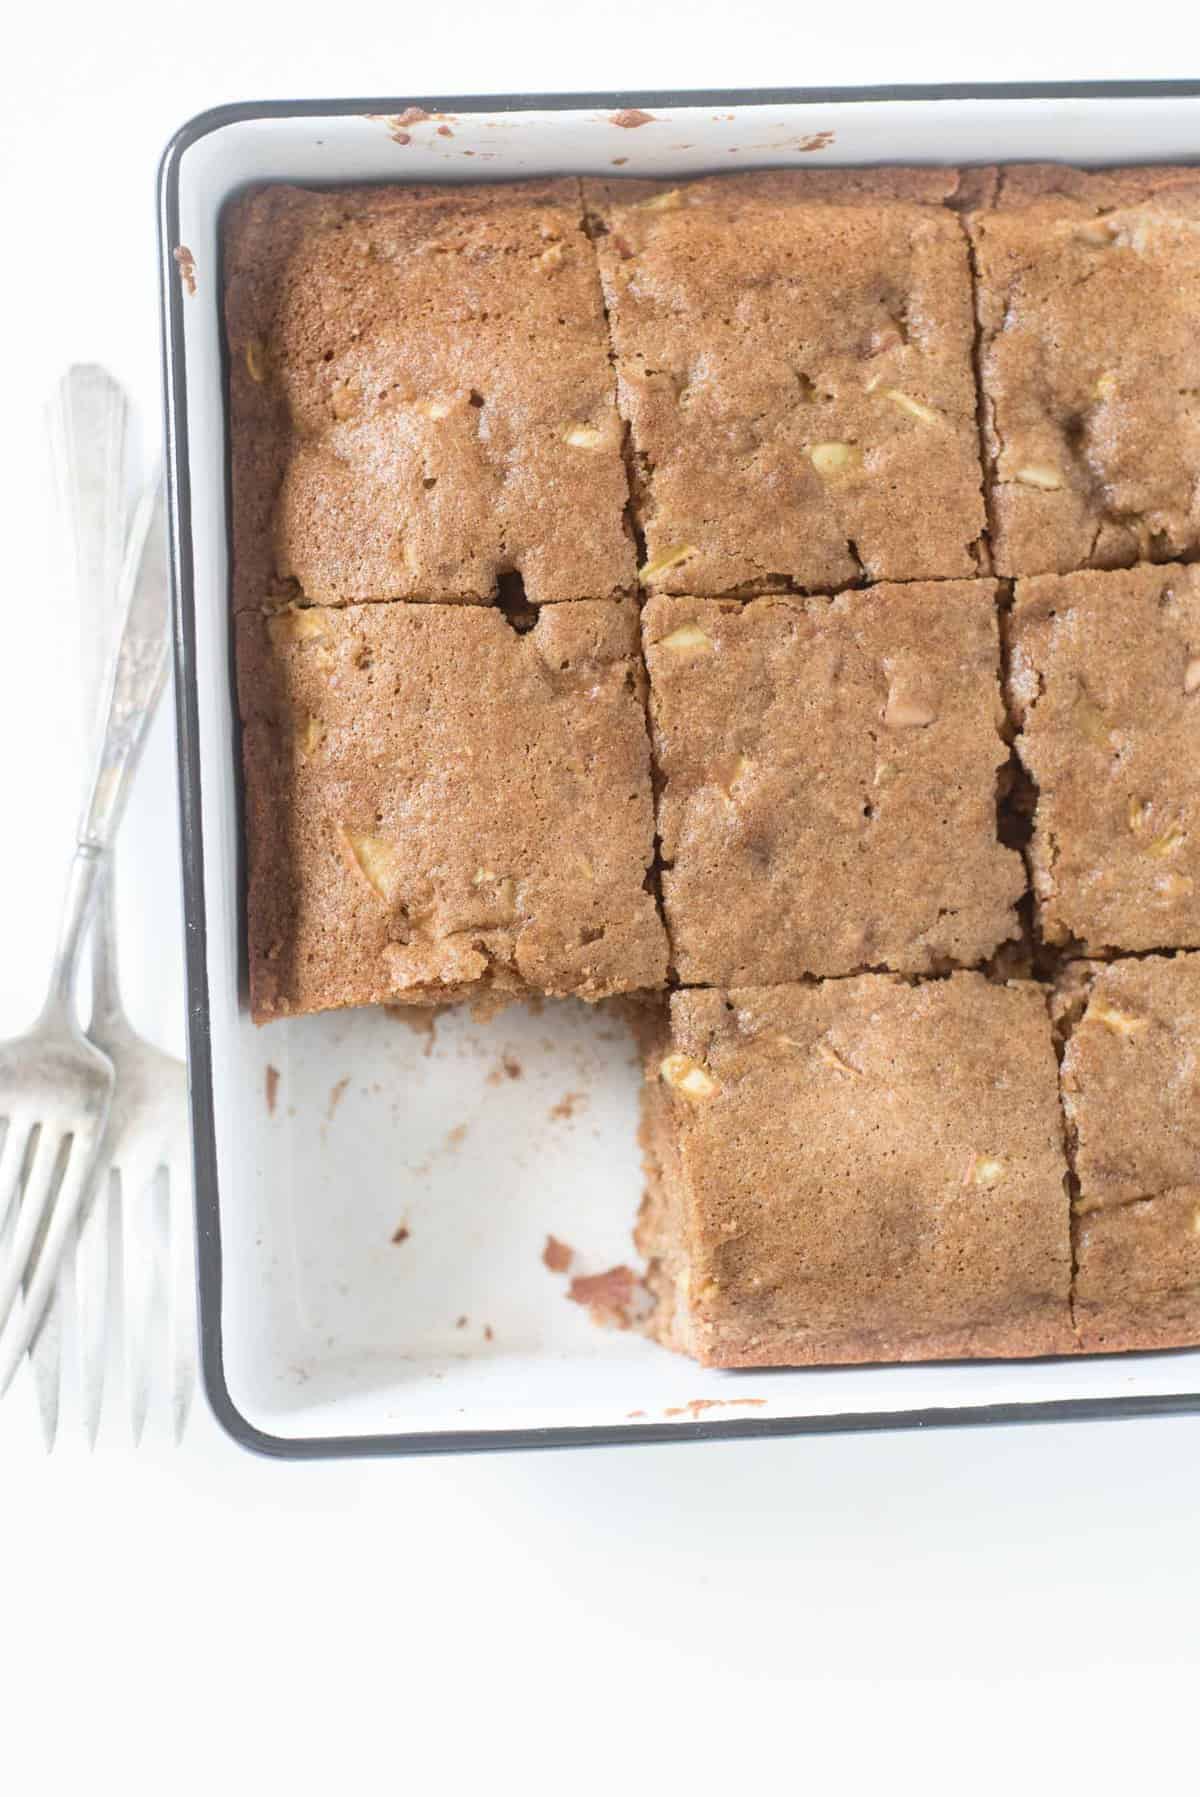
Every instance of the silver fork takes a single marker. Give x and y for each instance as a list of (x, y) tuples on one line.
[(56, 1088), (88, 419), (128, 1274)]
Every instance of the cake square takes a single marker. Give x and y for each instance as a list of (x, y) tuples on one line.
[(1137, 1279), (794, 360), (828, 782), (422, 399), (857, 1170), (1088, 295), (1105, 684), (1130, 1034), (438, 807), (1131, 1076)]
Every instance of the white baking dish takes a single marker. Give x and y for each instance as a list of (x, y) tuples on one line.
[(321, 1334)]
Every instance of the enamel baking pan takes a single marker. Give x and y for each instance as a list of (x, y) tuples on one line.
[(373, 1201)]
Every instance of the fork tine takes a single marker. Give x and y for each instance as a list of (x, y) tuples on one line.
[(12, 1159), (93, 1278), (19, 1134), (43, 1171), (181, 1296), (73, 1171), (142, 1294), (17, 1130), (46, 1357)]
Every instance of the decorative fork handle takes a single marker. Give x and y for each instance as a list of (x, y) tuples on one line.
[(136, 677), (88, 419), (88, 423)]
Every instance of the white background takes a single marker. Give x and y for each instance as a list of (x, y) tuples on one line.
[(999, 1610)]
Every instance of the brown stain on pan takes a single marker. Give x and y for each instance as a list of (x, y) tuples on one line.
[(696, 1407)]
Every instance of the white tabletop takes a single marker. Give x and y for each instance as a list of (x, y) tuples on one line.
[(998, 1609)]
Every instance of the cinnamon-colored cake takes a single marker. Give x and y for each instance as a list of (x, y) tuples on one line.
[(858, 1170), (1088, 294), (1131, 1097), (828, 773), (421, 396), (1131, 1076), (438, 807), (1137, 1275), (613, 569), (1105, 686), (794, 362)]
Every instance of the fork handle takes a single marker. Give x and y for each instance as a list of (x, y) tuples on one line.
[(88, 418), (135, 684), (107, 1009)]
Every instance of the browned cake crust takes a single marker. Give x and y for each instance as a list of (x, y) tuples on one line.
[(858, 1170), (421, 396), (916, 186), (437, 806), (795, 362), (1131, 1076), (828, 782), (1088, 298), (1137, 1279), (1092, 190), (1105, 684)]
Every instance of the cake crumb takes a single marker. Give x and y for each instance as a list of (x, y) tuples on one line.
[(508, 1067), (629, 1414), (619, 161), (272, 1087), (816, 140), (397, 122), (401, 1234), (186, 263), (556, 1255), (336, 1093), (462, 1322), (695, 1406), (567, 1106), (487, 1332), (630, 117), (455, 1137), (609, 1296), (444, 131)]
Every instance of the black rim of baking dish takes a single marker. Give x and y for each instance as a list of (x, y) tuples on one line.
[(209, 1267)]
